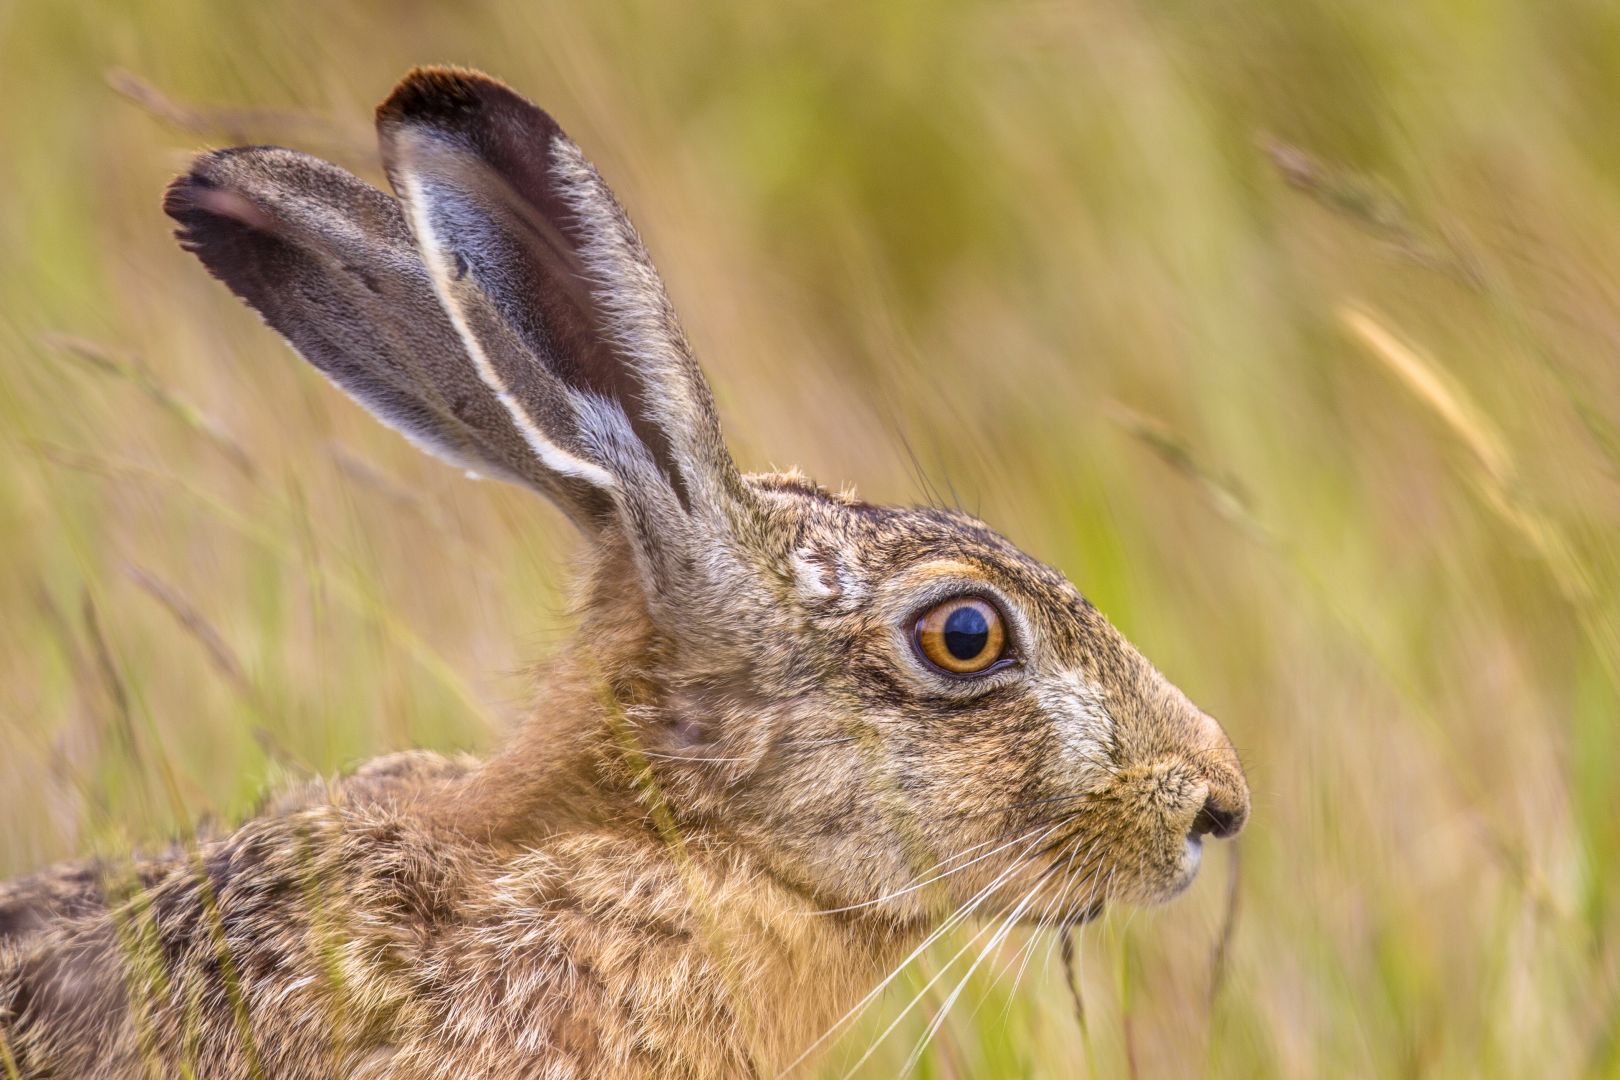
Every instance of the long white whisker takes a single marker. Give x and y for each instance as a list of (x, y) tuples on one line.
[(1059, 898), (1085, 878), (717, 759), (939, 1017), (961, 913), (1026, 952), (1081, 878), (1021, 955), (917, 998), (928, 881)]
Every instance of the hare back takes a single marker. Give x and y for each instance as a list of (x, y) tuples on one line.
[(353, 938), (74, 890)]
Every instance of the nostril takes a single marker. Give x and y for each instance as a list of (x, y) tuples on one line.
[(1217, 820)]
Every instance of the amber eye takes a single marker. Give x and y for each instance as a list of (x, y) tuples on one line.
[(962, 636)]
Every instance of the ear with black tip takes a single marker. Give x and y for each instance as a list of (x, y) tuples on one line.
[(559, 308), (329, 263)]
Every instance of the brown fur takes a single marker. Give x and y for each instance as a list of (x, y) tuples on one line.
[(743, 798)]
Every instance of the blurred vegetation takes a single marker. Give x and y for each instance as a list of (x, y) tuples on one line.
[(1288, 331)]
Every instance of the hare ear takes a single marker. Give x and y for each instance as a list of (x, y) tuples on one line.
[(329, 263), (558, 306)]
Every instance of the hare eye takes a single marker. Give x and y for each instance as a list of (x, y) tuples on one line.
[(961, 636)]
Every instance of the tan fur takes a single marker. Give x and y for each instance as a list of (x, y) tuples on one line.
[(743, 797)]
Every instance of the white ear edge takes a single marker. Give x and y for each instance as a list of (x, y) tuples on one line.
[(435, 450), (549, 453)]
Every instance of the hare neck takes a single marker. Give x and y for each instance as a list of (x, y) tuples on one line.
[(797, 977), (753, 947), (736, 973)]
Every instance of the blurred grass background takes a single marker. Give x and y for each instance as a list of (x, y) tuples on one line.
[(1287, 331)]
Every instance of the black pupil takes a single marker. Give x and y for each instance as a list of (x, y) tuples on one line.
[(966, 632)]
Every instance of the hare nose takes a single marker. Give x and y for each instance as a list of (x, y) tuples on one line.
[(1219, 818)]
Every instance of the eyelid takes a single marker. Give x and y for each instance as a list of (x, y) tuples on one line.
[(975, 676)]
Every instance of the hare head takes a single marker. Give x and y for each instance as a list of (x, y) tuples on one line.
[(893, 710)]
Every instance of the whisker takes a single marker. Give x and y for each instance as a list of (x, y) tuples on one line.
[(961, 913), (1063, 929), (916, 999), (1023, 953), (920, 884), (1071, 880), (962, 814), (939, 1017), (717, 759), (1006, 927), (1075, 871)]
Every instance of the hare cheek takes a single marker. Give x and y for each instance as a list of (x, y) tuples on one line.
[(1083, 725)]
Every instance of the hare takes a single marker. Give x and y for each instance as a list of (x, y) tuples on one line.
[(795, 736)]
